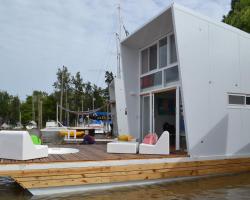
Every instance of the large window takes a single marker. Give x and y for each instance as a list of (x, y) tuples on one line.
[(163, 51), (153, 57), (171, 75), (151, 80), (173, 55), (144, 61), (158, 64), (160, 55), (149, 59)]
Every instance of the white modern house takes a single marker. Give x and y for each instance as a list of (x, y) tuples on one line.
[(190, 75)]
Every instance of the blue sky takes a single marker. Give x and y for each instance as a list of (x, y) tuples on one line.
[(37, 37)]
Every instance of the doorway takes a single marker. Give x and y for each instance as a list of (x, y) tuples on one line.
[(165, 114), (163, 110), (145, 115)]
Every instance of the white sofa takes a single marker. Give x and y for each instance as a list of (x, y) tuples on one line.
[(18, 145), (161, 147), (122, 147)]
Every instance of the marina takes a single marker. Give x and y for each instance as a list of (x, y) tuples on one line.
[(167, 116)]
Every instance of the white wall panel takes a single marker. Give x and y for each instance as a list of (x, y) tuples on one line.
[(225, 78), (214, 61), (234, 130), (245, 63), (130, 66), (121, 117), (192, 41)]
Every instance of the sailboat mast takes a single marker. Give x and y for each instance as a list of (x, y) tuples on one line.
[(118, 39)]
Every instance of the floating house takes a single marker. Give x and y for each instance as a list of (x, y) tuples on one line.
[(191, 75), (183, 73)]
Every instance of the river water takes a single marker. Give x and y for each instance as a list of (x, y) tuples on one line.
[(231, 187)]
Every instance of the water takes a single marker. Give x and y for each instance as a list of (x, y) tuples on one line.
[(231, 187)]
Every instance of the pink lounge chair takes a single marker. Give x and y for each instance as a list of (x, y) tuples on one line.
[(161, 146)]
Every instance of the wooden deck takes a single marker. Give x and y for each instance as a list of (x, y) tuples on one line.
[(87, 176), (93, 167), (97, 152)]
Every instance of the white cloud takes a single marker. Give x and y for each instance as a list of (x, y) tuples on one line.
[(37, 37)]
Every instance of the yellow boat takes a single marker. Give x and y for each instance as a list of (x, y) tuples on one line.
[(72, 132)]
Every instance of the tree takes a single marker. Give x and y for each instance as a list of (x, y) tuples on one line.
[(49, 107), (26, 110), (4, 106), (239, 15), (78, 94), (14, 110), (108, 77), (63, 84), (9, 108), (78, 91)]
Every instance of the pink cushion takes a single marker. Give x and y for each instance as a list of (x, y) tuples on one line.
[(150, 138)]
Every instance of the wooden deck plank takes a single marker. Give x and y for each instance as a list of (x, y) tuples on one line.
[(119, 173), (95, 152), (135, 167), (127, 176)]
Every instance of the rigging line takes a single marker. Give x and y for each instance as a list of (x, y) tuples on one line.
[(108, 48), (109, 37), (84, 112)]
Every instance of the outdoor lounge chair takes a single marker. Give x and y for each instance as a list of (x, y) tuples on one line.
[(122, 147), (18, 145), (161, 146)]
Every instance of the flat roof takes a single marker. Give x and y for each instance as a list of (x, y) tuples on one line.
[(129, 39)]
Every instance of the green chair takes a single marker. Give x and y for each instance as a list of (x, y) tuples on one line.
[(36, 140)]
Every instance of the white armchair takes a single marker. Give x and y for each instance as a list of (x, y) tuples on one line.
[(161, 147), (18, 145)]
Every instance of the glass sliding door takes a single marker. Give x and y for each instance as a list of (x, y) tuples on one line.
[(145, 115)]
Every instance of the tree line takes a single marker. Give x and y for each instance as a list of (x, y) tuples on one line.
[(69, 90)]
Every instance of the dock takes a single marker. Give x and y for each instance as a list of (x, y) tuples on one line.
[(93, 168)]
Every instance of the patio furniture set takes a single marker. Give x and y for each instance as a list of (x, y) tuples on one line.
[(18, 145), (161, 146)]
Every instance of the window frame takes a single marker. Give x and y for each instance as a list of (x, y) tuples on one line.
[(237, 95), (169, 55), (247, 96), (157, 42), (149, 60), (178, 73), (141, 61), (245, 105), (167, 38), (153, 86), (158, 68)]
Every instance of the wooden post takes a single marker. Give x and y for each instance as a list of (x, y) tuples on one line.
[(38, 112), (67, 114), (33, 108), (41, 113), (56, 112), (61, 99)]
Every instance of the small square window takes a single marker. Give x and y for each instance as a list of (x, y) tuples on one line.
[(171, 75), (236, 99), (248, 100)]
